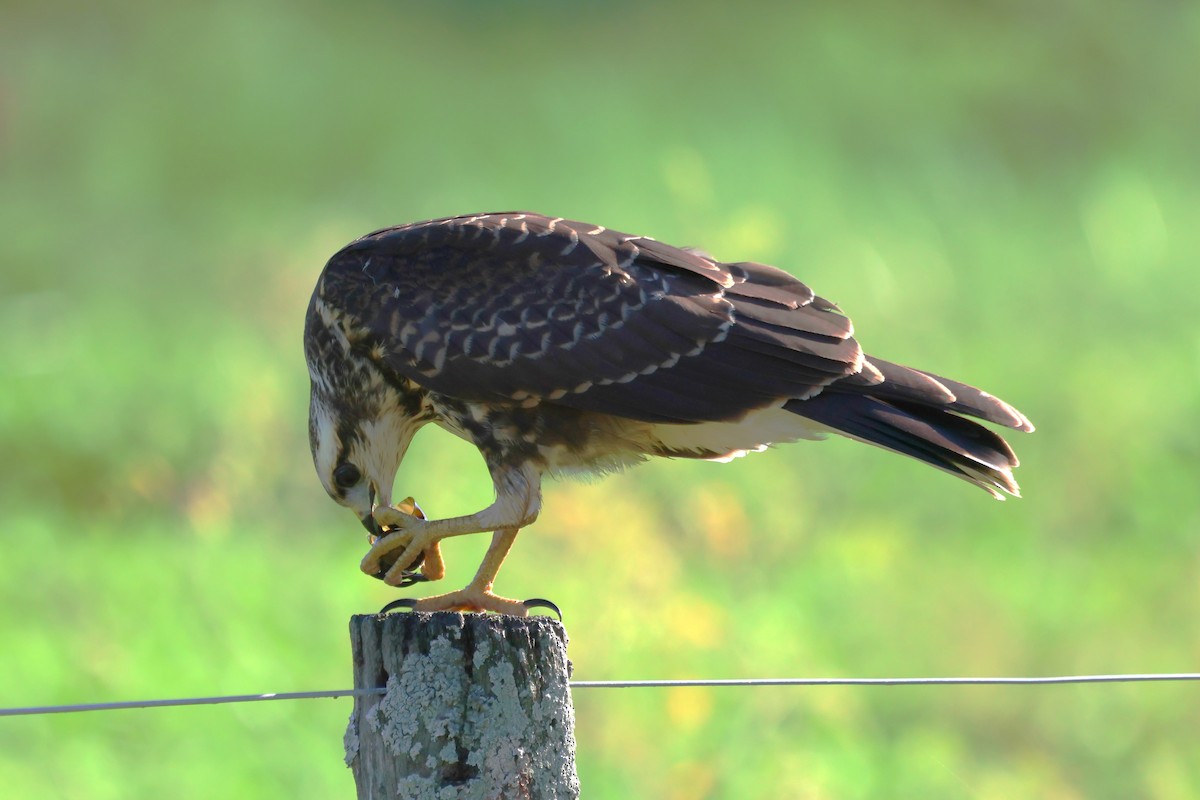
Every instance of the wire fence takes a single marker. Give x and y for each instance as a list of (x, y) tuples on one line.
[(1153, 677)]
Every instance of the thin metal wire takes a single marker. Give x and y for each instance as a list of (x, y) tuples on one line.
[(186, 701), (643, 684), (985, 681)]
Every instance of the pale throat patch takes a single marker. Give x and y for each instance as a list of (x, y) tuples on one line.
[(380, 448), (377, 448)]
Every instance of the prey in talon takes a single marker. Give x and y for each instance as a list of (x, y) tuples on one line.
[(561, 347), (387, 561)]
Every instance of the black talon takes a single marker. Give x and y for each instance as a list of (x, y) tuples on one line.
[(538, 602), (409, 579), (400, 602)]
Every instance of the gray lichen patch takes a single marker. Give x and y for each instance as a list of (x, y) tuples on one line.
[(350, 740), (421, 710)]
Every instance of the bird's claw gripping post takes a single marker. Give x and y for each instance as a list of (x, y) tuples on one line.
[(410, 603), (400, 602), (541, 602)]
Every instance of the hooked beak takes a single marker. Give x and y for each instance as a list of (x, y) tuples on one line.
[(373, 527), (368, 519)]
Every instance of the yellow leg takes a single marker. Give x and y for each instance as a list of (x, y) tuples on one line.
[(477, 596)]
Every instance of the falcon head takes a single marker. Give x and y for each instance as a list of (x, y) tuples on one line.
[(359, 425)]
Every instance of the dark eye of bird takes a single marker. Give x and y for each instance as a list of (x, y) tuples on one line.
[(346, 476)]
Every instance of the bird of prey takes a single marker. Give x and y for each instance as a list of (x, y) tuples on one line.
[(557, 346)]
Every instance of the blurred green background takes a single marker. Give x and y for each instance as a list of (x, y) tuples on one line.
[(1001, 192)]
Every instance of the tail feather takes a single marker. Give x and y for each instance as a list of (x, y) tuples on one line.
[(930, 434), (895, 382), (978, 403), (908, 384)]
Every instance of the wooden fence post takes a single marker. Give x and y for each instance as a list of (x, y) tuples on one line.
[(477, 706)]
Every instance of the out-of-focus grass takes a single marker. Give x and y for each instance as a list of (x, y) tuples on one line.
[(1002, 193)]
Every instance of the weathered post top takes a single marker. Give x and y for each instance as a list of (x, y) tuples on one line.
[(477, 706)]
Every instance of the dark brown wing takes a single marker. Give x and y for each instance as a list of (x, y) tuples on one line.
[(523, 308)]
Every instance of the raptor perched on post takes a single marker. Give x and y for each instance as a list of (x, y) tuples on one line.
[(559, 346)]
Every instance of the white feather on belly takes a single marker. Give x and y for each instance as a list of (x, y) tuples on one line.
[(724, 441)]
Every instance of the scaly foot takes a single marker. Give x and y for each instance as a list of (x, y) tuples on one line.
[(496, 605), (470, 599)]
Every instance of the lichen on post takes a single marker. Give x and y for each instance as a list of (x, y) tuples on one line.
[(477, 706)]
